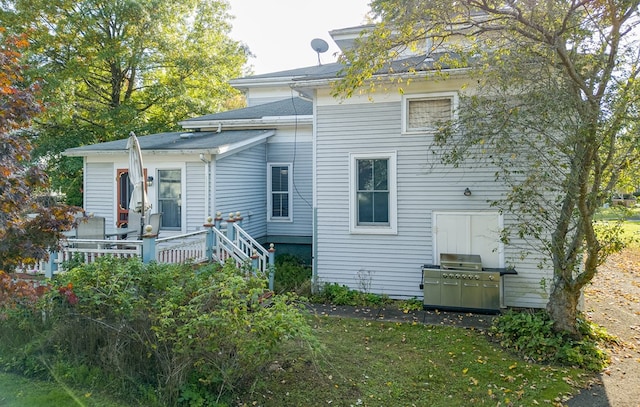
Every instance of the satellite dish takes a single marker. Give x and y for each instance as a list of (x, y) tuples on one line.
[(319, 46)]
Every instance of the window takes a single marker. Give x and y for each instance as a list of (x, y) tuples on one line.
[(170, 198), (423, 113), (280, 181), (373, 193)]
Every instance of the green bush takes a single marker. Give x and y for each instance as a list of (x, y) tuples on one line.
[(159, 334), (342, 295), (531, 334), (292, 275)]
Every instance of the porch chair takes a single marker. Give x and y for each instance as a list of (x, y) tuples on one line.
[(133, 224), (90, 228)]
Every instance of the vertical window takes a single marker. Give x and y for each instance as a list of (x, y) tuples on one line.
[(373, 193), (421, 114), (279, 186), (170, 198)]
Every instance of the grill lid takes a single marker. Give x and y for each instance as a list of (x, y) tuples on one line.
[(453, 261)]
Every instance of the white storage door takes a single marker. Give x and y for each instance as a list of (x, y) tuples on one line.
[(469, 233)]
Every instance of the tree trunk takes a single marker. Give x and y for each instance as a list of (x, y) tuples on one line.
[(563, 308)]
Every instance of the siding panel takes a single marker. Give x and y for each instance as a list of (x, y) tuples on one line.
[(240, 185), (300, 155), (100, 190), (391, 264), (195, 194)]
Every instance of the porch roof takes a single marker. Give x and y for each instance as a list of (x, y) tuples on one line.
[(183, 142)]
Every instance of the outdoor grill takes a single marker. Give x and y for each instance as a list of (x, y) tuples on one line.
[(460, 283)]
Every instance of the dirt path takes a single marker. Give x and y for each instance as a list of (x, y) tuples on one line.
[(613, 301)]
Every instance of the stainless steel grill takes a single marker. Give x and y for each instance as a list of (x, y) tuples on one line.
[(460, 283)]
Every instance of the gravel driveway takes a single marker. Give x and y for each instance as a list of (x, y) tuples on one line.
[(613, 301)]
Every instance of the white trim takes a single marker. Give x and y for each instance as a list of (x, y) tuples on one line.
[(426, 96), (392, 227), (271, 218)]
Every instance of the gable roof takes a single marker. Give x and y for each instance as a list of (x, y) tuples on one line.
[(294, 106), (414, 65), (209, 142)]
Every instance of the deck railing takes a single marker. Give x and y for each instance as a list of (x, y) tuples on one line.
[(213, 243)]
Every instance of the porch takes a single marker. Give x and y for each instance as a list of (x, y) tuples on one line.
[(218, 241)]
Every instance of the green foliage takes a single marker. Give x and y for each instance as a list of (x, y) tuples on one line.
[(342, 295), (112, 67), (531, 334), (155, 334), (411, 305), (292, 275)]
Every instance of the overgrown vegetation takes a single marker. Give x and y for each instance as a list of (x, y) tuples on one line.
[(152, 334), (531, 335), (292, 275), (342, 295)]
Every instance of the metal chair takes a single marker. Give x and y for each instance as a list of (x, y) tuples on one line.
[(90, 228)]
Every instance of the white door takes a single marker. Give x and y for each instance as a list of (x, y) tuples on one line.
[(469, 233)]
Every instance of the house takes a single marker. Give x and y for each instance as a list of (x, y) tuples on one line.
[(353, 180)]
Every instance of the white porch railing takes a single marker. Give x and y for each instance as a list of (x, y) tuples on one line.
[(189, 247), (211, 244)]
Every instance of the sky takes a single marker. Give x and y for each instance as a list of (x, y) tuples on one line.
[(279, 32)]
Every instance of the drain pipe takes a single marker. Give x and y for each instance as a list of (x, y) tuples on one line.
[(207, 183)]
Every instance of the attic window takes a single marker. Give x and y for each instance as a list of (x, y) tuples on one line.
[(426, 113)]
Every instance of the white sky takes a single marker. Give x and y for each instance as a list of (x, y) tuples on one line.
[(279, 32)]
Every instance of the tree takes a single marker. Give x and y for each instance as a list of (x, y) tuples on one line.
[(116, 66), (23, 238), (555, 112)]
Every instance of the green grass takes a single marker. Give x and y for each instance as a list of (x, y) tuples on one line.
[(18, 391), (387, 364), (369, 363)]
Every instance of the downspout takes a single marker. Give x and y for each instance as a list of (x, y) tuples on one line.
[(314, 231), (207, 185)]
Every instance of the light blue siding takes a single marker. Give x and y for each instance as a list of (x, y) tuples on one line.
[(300, 155), (240, 185), (391, 264)]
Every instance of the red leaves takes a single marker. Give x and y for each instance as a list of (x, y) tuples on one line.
[(67, 292)]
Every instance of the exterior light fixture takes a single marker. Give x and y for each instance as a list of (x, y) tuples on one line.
[(149, 181), (467, 192)]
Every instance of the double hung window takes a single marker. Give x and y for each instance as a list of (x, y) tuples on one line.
[(170, 198), (280, 182), (373, 193)]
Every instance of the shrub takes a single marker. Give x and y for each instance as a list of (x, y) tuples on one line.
[(531, 335), (342, 295), (292, 275), (20, 323), (161, 334)]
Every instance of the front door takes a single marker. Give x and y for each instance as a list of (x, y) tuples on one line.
[(124, 189)]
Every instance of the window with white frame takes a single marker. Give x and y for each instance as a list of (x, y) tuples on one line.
[(373, 199), (423, 113), (279, 184), (170, 198)]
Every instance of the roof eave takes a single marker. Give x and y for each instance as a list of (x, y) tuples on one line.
[(321, 82), (223, 150), (272, 121)]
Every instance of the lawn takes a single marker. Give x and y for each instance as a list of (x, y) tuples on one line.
[(17, 391), (365, 363)]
